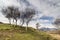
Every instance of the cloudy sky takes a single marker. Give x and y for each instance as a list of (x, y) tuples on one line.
[(48, 10)]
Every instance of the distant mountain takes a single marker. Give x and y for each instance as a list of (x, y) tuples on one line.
[(47, 29)]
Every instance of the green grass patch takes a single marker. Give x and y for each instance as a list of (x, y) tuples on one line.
[(19, 33)]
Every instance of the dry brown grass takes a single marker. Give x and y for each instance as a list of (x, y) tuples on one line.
[(56, 36)]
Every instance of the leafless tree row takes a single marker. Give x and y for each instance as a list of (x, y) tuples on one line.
[(12, 12)]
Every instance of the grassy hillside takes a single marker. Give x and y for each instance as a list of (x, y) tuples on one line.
[(55, 34), (19, 33)]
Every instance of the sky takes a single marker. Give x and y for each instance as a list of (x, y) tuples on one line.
[(48, 10)]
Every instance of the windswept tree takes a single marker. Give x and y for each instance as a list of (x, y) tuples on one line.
[(7, 13), (11, 12), (37, 26), (16, 15), (57, 22), (28, 15)]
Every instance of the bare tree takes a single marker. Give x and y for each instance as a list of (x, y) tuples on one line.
[(9, 18), (11, 12), (27, 16), (57, 22), (7, 13), (37, 26), (16, 15)]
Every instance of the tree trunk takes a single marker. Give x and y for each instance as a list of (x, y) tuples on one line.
[(13, 20), (16, 22), (13, 23), (9, 22), (22, 23), (26, 26)]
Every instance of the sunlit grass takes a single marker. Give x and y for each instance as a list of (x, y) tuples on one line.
[(19, 33)]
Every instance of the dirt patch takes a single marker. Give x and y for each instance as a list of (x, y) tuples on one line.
[(57, 36)]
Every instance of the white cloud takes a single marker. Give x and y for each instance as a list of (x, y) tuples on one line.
[(9, 3), (47, 7), (47, 26), (43, 21)]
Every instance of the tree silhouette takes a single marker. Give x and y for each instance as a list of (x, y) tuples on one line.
[(7, 13), (37, 26), (16, 14), (57, 22), (11, 12), (27, 16)]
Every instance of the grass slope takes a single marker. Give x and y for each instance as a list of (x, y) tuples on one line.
[(18, 33)]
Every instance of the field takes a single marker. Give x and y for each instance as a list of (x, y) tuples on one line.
[(8, 32), (55, 34)]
